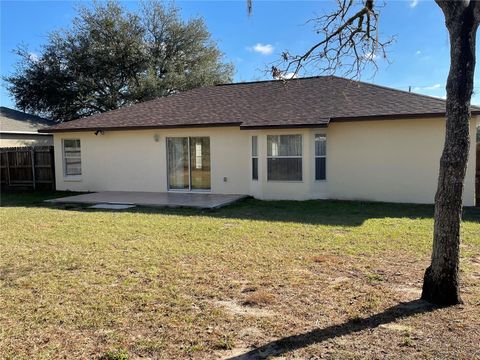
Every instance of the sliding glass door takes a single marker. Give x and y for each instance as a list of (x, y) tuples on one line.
[(200, 163), (188, 163), (177, 153)]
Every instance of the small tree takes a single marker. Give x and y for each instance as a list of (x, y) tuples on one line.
[(111, 58), (349, 42)]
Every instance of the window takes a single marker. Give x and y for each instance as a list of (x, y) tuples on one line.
[(320, 157), (254, 158), (284, 157), (72, 158)]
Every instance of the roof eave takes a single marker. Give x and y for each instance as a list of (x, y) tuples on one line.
[(126, 128), (24, 132), (391, 117), (285, 126), (255, 127)]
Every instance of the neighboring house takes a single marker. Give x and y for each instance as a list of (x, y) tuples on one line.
[(21, 129), (311, 138)]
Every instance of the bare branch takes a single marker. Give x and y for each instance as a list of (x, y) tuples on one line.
[(351, 42), (249, 7)]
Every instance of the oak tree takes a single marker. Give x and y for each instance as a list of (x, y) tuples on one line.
[(111, 57)]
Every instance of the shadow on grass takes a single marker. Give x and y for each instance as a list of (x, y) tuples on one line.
[(315, 212), (290, 343)]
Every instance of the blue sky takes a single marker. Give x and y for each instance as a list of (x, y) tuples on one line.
[(419, 58)]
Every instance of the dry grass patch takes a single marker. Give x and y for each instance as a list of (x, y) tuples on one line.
[(259, 298)]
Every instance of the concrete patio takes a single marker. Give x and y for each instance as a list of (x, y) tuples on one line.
[(160, 199)]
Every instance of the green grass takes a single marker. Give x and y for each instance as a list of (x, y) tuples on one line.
[(83, 283), (30, 198)]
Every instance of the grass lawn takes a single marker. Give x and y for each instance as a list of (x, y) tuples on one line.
[(317, 279)]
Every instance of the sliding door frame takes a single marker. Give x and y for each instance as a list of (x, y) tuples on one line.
[(189, 165)]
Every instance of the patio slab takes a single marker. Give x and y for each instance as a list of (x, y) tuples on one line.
[(160, 199)]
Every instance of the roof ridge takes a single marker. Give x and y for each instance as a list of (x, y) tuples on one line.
[(409, 92), (391, 88), (336, 77), (274, 80)]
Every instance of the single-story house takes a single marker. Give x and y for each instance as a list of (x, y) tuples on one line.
[(21, 129), (309, 138)]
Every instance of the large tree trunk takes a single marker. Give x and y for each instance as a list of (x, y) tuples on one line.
[(441, 282)]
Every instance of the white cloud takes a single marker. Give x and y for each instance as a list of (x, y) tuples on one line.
[(431, 87), (371, 55), (414, 3), (33, 56), (418, 52), (286, 76), (264, 49), (443, 97)]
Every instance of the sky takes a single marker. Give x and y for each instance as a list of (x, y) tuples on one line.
[(419, 58)]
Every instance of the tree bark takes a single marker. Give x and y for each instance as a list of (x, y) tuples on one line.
[(441, 281)]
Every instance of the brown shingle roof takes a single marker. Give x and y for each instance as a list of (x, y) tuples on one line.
[(299, 102)]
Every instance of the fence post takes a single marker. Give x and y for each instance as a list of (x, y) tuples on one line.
[(52, 167), (8, 168), (32, 154)]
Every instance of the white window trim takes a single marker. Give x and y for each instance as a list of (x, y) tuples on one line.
[(64, 163), (286, 157), (319, 157), (254, 157)]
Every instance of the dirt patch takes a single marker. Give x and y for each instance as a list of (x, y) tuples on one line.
[(236, 309), (247, 354), (410, 290), (233, 353), (339, 280), (397, 327), (250, 332)]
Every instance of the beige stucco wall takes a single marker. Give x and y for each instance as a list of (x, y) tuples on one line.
[(394, 160), (134, 161)]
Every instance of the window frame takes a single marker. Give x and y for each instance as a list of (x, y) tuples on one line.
[(254, 157), (66, 176), (287, 157), (315, 156)]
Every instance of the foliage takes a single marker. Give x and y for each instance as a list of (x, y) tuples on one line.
[(111, 57)]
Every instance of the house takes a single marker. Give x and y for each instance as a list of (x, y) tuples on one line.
[(21, 129), (310, 138)]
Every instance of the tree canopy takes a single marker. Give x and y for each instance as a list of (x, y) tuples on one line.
[(111, 57)]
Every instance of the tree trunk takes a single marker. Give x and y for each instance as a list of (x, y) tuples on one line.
[(441, 281)]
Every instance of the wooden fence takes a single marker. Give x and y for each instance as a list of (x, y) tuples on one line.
[(27, 167)]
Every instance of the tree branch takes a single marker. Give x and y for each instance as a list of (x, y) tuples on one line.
[(351, 42)]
